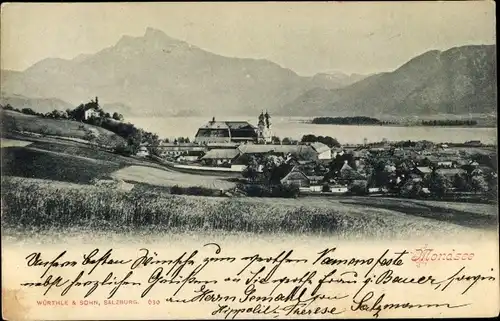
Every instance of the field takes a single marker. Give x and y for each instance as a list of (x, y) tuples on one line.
[(15, 143), (40, 205), (38, 163), (161, 177), (79, 163), (56, 127)]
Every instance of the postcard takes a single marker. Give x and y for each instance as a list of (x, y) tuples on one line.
[(249, 160)]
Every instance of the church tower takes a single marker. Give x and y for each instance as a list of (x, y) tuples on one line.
[(264, 128)]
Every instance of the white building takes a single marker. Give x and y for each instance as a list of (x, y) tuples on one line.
[(142, 152), (339, 189), (324, 152), (90, 113)]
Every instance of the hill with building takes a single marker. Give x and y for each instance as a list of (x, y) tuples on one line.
[(460, 80)]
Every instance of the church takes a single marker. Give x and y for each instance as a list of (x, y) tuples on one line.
[(236, 132)]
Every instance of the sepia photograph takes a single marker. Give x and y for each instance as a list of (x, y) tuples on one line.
[(324, 131)]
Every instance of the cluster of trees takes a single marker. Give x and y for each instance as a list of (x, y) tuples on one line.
[(285, 141), (327, 140), (134, 137), (265, 175), (423, 144), (180, 140), (77, 114), (449, 122), (55, 114), (356, 120)]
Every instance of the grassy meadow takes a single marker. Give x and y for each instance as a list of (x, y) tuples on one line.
[(35, 206), (19, 122)]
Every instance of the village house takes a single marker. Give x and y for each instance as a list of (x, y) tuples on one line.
[(298, 152), (347, 174), (312, 183), (226, 132), (190, 156), (315, 179), (338, 189), (296, 177), (450, 172), (89, 113), (423, 171), (445, 163), (322, 150), (374, 190), (218, 157), (336, 151), (142, 152), (174, 150)]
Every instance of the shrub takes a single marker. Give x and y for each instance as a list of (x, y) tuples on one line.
[(123, 149), (285, 190), (192, 190), (279, 190)]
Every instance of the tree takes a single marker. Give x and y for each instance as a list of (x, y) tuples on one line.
[(438, 184), (330, 141), (412, 190), (117, 116), (274, 168), (153, 141), (460, 183), (327, 140), (252, 170), (286, 141), (309, 138), (135, 139), (90, 135), (276, 140), (479, 184), (123, 149), (359, 187), (28, 111)]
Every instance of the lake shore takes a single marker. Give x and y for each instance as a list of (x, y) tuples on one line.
[(402, 125)]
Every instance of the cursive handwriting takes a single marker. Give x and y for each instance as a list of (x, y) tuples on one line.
[(284, 284), (368, 305)]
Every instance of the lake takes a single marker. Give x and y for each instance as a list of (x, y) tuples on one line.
[(293, 127)]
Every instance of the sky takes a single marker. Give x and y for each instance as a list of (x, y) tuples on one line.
[(363, 37)]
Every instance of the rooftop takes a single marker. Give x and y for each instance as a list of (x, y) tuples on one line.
[(221, 154), (424, 169), (227, 125), (285, 149), (450, 171), (320, 147)]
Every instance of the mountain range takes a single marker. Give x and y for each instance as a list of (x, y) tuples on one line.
[(155, 74), (460, 80)]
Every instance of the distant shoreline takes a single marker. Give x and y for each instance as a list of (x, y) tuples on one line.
[(370, 121), (401, 125)]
